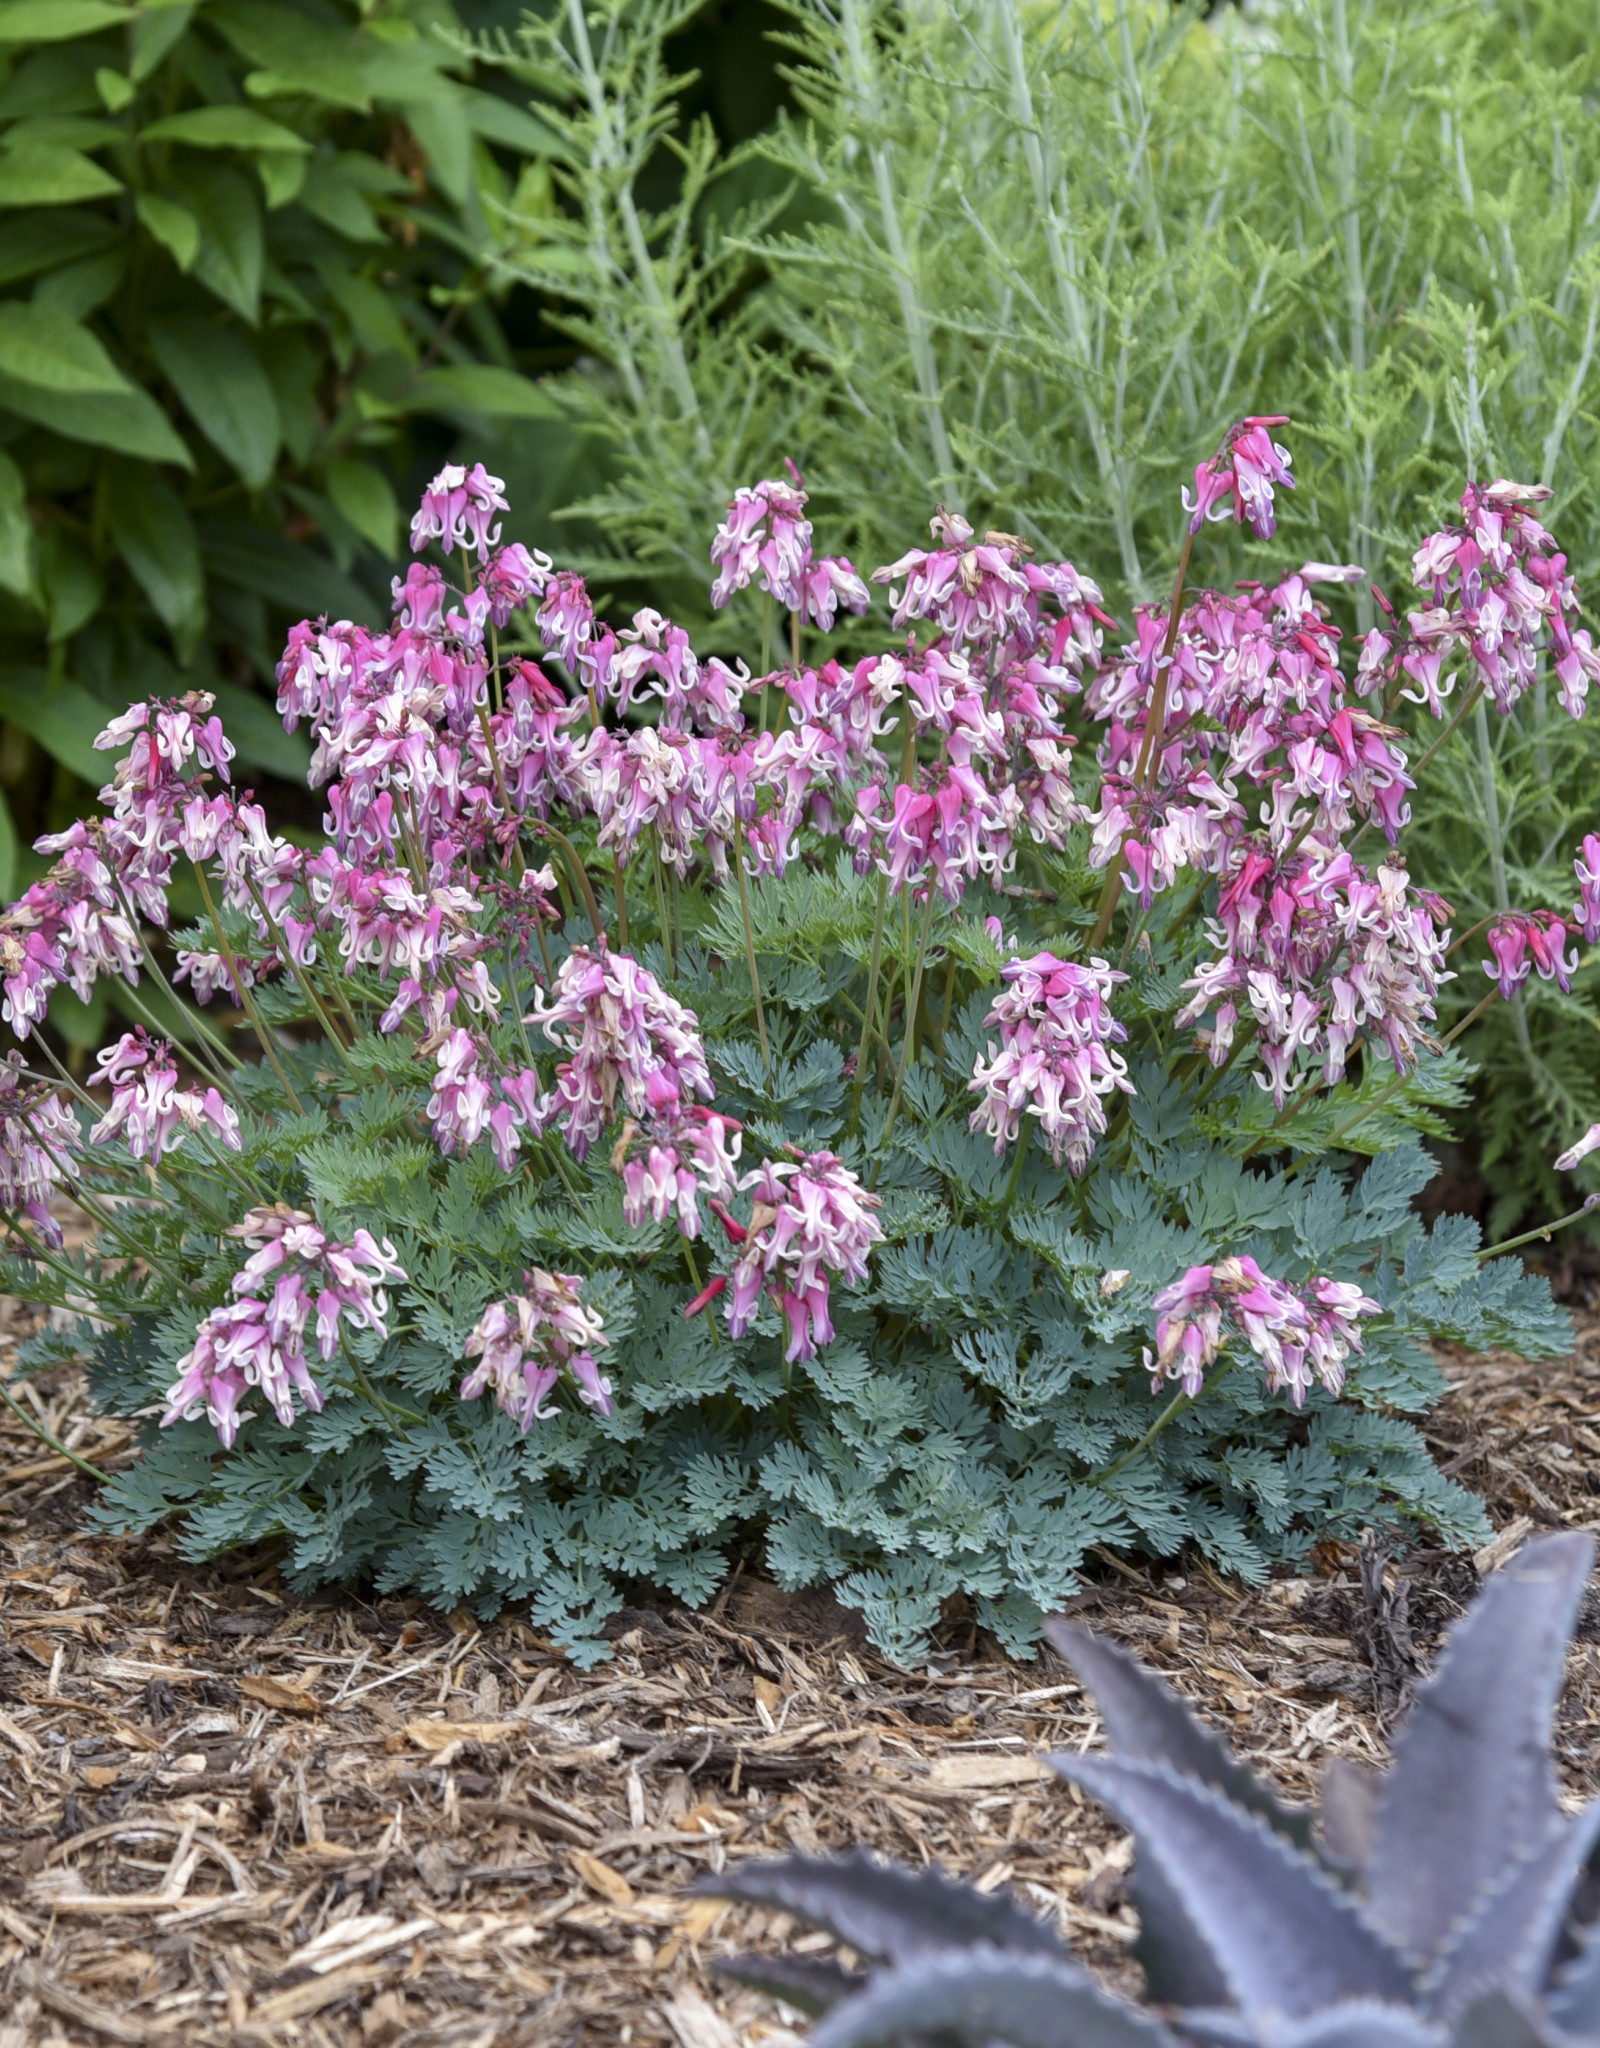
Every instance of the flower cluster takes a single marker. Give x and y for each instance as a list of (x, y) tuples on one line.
[(39, 1141), (1055, 1060), (1300, 1335), (628, 1042), (807, 1220), (149, 1111), (1321, 955), (1223, 742), (259, 1338), (1497, 589), (1239, 478), (525, 1343)]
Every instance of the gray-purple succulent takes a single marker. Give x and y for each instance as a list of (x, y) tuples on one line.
[(1449, 1902)]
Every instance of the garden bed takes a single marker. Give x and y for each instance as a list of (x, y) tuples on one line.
[(239, 1816)]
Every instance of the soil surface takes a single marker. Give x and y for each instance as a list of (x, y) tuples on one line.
[(236, 1816)]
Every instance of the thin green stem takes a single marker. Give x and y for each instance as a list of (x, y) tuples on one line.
[(750, 958), (1174, 1408), (580, 875), (1015, 1180), (45, 1436), (872, 997), (245, 997), (1544, 1232), (620, 874), (908, 1035), (281, 942)]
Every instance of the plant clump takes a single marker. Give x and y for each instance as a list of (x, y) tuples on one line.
[(633, 1006)]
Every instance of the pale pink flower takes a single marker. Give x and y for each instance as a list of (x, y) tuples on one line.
[(1055, 1060), (1300, 1335), (148, 1109), (625, 1036), (807, 1221), (524, 1343), (765, 538), (1590, 1142), (1586, 911), (694, 1158), (295, 1275), (40, 1139)]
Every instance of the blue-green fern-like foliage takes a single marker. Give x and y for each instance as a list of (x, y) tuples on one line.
[(973, 1429)]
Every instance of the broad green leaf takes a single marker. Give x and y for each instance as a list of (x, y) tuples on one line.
[(79, 289), (440, 124), (481, 387), (281, 176), (257, 732), (33, 242), (129, 421), (114, 87), (306, 55), (294, 577), (72, 584), (42, 347), (8, 852), (56, 21), (44, 174), (155, 30), (225, 128), (370, 311), (335, 198), (156, 538), (62, 717), (63, 131), (18, 570), (362, 494), (500, 121), (170, 224), (231, 244), (217, 373)]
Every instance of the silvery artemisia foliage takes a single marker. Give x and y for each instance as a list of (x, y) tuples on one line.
[(1445, 1903), (672, 1105)]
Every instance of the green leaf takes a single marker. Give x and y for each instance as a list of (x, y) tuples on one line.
[(334, 198), (42, 347), (481, 388), (56, 21), (156, 538), (257, 732), (70, 580), (155, 30), (294, 577), (41, 241), (217, 373), (302, 54), (79, 289), (18, 565), (510, 125), (8, 852), (129, 421), (231, 244), (42, 174), (225, 128), (369, 309), (115, 88), (281, 177), (170, 224), (62, 717), (362, 494)]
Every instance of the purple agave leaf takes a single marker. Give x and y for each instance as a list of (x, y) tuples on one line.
[(882, 1909), (1356, 2023), (1508, 1940), (1282, 1936), (1575, 2004), (982, 1996), (1472, 1789), (811, 1984), (1499, 2021), (1147, 1723)]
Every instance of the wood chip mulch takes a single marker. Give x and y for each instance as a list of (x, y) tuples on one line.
[(236, 1816)]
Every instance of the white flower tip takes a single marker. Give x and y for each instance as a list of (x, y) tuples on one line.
[(1113, 1282), (1589, 1142)]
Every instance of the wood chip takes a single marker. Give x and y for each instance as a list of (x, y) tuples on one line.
[(982, 1773), (600, 1877), (438, 1735), (288, 1699)]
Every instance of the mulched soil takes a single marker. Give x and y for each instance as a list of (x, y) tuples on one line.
[(232, 1815)]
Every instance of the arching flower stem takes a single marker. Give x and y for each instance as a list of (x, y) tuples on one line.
[(873, 968), (49, 1439), (909, 1031), (245, 998), (750, 956)]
